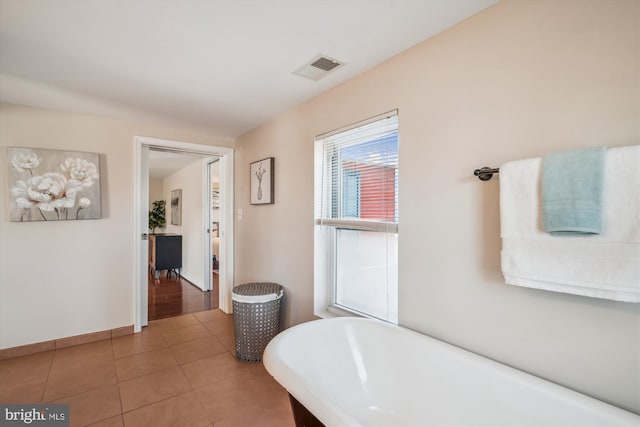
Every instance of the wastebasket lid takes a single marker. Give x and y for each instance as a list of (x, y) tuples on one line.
[(257, 292)]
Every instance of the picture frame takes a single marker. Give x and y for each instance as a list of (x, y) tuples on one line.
[(215, 196), (176, 207), (53, 185), (262, 181)]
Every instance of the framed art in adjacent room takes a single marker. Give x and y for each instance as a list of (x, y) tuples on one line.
[(262, 182), (176, 207)]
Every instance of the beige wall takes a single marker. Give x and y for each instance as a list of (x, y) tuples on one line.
[(155, 191), (189, 180), (60, 279), (521, 79)]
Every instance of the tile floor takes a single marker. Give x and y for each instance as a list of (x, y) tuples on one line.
[(179, 371)]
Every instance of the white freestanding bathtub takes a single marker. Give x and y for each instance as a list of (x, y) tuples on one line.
[(363, 372)]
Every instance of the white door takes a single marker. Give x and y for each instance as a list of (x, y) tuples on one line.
[(143, 211)]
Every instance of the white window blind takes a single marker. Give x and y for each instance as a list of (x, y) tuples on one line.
[(356, 214), (358, 178)]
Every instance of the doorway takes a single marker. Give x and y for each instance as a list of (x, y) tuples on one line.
[(181, 283), (213, 230), (223, 157)]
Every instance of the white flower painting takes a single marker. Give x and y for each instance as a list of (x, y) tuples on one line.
[(51, 185)]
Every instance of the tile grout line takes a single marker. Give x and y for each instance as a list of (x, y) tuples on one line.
[(69, 396), (201, 404), (147, 373), (46, 383), (55, 358), (115, 368), (153, 403), (99, 387), (143, 351), (191, 386)]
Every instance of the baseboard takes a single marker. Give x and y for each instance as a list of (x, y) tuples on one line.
[(23, 350), (190, 280)]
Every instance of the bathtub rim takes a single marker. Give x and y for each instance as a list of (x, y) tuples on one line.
[(297, 386), (331, 414)]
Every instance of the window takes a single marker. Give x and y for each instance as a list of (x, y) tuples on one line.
[(356, 217), (351, 194)]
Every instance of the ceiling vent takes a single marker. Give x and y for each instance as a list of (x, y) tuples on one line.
[(318, 67)]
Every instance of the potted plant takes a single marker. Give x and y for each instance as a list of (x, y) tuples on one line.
[(157, 216)]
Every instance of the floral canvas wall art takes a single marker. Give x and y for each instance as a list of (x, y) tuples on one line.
[(53, 185)]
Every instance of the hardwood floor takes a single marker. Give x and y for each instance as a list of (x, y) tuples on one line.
[(176, 296)]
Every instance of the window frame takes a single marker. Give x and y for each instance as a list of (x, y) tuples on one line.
[(347, 177), (325, 236)]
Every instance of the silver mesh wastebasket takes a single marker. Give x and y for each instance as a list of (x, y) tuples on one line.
[(256, 318)]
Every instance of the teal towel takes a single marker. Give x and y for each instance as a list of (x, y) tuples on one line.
[(572, 183)]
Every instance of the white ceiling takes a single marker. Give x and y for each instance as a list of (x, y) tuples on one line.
[(165, 163), (220, 66)]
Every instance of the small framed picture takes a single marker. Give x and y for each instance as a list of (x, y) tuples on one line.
[(262, 181), (176, 207)]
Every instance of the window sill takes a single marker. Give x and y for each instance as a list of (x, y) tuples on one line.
[(337, 311), (334, 311)]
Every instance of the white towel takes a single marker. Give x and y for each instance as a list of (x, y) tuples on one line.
[(600, 266)]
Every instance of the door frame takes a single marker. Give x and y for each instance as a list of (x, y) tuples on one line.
[(140, 227), (207, 181)]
